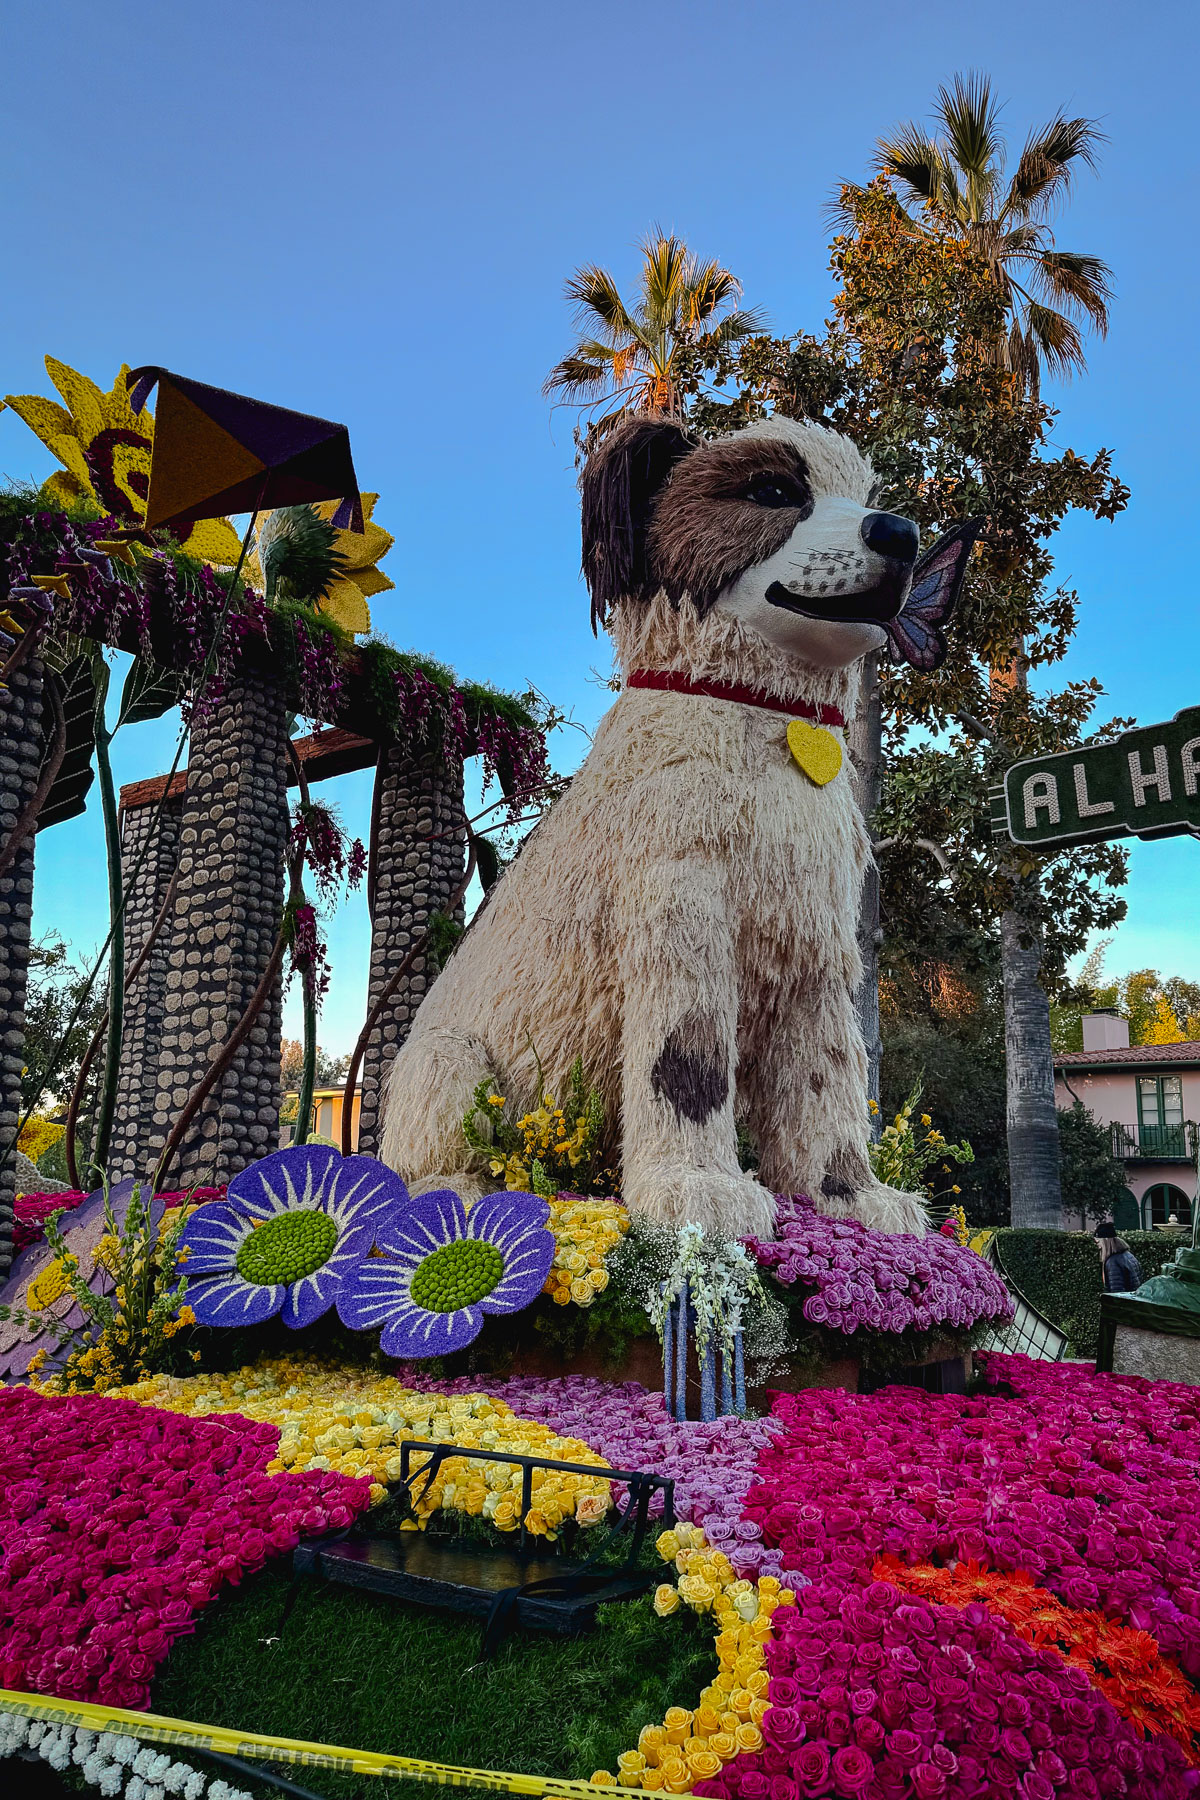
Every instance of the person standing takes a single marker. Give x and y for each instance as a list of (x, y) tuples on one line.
[(1119, 1267)]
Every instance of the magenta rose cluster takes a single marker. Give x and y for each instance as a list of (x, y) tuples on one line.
[(1088, 1482), (878, 1695), (30, 1212), (879, 1280), (119, 1522)]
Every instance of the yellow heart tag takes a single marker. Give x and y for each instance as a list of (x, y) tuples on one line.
[(816, 750)]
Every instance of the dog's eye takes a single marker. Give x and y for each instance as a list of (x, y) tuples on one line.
[(773, 490)]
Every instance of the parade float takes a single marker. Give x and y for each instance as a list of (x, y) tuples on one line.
[(588, 1425)]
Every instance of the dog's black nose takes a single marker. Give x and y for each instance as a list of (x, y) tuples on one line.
[(890, 535)]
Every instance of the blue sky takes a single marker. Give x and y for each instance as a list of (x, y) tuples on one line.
[(368, 212)]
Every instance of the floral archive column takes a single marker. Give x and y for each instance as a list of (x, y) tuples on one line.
[(417, 863), (21, 750), (232, 839)]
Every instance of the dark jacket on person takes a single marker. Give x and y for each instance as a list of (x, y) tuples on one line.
[(1122, 1272)]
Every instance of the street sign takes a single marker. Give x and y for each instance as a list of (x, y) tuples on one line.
[(1146, 784)]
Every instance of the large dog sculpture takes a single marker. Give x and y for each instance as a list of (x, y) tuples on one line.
[(685, 916)]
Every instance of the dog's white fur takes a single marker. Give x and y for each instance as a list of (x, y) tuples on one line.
[(692, 887)]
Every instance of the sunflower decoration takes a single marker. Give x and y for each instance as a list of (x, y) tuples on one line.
[(105, 449), (299, 554)]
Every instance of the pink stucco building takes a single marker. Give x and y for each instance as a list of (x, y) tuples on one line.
[(1149, 1097)]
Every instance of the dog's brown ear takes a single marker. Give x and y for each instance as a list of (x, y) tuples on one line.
[(622, 478)]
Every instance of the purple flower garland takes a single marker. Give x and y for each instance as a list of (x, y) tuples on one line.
[(107, 596)]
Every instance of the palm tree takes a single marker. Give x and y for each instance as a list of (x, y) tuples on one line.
[(958, 176), (630, 354), (956, 179)]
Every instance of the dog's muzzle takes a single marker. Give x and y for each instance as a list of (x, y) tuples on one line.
[(894, 540), (891, 536)]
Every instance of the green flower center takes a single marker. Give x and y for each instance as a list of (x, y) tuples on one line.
[(287, 1247), (457, 1275)]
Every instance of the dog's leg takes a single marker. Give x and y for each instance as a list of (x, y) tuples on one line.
[(429, 1089), (807, 1112), (846, 1186), (679, 1054)]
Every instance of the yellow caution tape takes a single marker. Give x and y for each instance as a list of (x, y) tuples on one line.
[(156, 1728)]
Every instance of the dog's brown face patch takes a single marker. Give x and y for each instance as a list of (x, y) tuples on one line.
[(726, 507)]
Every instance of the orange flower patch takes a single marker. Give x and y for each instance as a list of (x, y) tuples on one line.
[(1124, 1664)]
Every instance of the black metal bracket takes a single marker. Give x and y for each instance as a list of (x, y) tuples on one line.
[(642, 1485), (503, 1586)]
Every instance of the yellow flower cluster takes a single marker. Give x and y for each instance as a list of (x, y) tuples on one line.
[(37, 1135), (691, 1746), (354, 1420), (545, 1140), (958, 1219), (585, 1231)]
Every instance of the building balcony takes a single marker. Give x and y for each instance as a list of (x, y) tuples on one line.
[(1155, 1143)]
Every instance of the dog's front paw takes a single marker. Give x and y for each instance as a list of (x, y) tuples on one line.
[(732, 1205), (882, 1208)]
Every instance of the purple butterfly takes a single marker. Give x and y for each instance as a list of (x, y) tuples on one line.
[(916, 635)]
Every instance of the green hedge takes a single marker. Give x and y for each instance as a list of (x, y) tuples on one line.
[(1058, 1272)]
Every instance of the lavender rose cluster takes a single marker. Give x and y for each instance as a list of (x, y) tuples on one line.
[(876, 1279), (712, 1463)]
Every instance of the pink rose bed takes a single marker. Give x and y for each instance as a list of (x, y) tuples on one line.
[(118, 1523), (1089, 1482), (30, 1212)]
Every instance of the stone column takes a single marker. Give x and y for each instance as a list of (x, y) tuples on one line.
[(232, 839), (21, 751), (417, 862), (149, 856)]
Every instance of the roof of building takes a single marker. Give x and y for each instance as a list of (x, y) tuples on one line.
[(1132, 1056)]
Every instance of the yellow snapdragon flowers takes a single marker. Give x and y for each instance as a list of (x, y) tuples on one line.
[(354, 1421), (584, 1231), (692, 1745)]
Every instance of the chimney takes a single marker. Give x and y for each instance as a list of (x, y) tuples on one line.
[(1104, 1029)]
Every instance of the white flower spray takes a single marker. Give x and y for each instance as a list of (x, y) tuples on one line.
[(113, 1762)]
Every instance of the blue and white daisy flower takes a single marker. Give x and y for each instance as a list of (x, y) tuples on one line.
[(289, 1233), (442, 1269)]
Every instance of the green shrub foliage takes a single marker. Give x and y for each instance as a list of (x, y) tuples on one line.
[(1058, 1272)]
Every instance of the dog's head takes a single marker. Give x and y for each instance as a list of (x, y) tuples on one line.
[(772, 526)]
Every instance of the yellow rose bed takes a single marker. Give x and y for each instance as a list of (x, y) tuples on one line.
[(352, 1420)]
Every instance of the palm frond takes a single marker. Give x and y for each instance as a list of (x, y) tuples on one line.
[(580, 377), (598, 298), (710, 286), (914, 160), (973, 142), (1047, 163), (1079, 281), (1024, 240), (731, 330), (1054, 339), (1018, 354), (667, 270)]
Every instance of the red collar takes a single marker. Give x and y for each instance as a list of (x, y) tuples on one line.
[(671, 681)]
